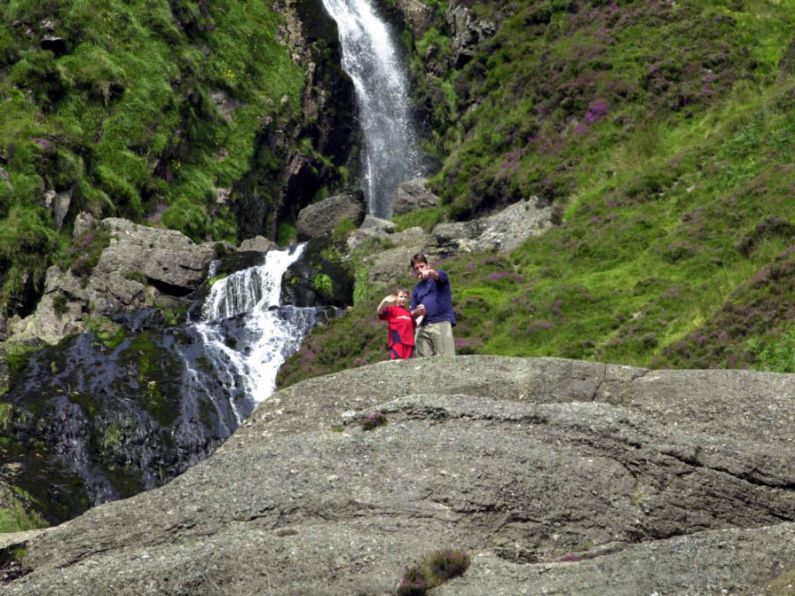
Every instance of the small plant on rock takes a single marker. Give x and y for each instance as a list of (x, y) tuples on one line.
[(413, 582), (373, 420), (434, 570), (446, 564)]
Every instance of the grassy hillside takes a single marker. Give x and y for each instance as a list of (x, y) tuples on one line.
[(138, 108), (664, 134)]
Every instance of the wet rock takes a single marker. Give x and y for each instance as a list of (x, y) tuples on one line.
[(322, 217), (557, 476), (318, 279), (257, 244), (413, 195)]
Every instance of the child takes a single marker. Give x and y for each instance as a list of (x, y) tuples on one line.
[(401, 326)]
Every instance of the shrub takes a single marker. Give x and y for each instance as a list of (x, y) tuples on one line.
[(189, 218), (413, 582), (323, 285), (435, 569), (373, 420), (446, 564)]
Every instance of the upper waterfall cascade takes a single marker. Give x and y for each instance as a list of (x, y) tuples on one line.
[(371, 58)]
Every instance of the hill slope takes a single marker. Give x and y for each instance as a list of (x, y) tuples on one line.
[(663, 134)]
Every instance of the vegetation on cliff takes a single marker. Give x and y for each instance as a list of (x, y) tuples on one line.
[(664, 135), (141, 109)]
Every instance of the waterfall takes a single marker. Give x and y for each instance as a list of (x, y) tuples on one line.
[(246, 336), (370, 57)]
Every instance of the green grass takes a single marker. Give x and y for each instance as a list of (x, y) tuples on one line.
[(16, 515), (152, 107)]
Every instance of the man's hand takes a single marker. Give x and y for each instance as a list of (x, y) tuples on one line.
[(419, 311)]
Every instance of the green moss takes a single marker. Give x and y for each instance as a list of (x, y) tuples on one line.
[(87, 403), (106, 331), (17, 515), (782, 585), (323, 285), (160, 390), (425, 218), (5, 416)]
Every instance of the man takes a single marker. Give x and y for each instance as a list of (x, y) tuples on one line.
[(432, 308)]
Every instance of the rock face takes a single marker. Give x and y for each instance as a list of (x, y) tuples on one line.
[(167, 258), (503, 231), (556, 476), (468, 32), (322, 217), (141, 267), (413, 195)]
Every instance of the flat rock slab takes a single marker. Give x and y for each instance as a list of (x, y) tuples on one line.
[(557, 476)]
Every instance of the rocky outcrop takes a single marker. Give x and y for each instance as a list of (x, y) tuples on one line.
[(468, 33), (413, 195), (167, 258), (556, 476), (372, 228), (141, 266), (257, 244), (502, 232), (58, 204), (302, 155), (319, 219), (416, 15)]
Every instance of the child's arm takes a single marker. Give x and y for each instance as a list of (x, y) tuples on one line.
[(387, 301)]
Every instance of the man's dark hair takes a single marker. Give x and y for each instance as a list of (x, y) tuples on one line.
[(418, 258)]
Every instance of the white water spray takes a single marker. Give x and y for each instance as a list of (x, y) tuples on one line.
[(247, 336), (371, 59)]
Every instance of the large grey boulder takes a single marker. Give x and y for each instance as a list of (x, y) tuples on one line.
[(319, 219), (141, 267), (165, 257), (257, 244), (557, 476), (413, 195)]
